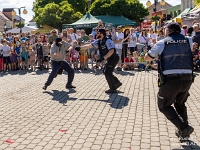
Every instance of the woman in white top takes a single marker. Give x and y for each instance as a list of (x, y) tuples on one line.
[(152, 35), (132, 40), (143, 37)]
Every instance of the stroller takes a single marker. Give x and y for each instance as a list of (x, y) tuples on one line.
[(141, 47)]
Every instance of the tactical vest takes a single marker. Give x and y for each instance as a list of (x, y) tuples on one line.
[(103, 48), (177, 53)]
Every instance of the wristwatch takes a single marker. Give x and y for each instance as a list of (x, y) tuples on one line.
[(104, 58)]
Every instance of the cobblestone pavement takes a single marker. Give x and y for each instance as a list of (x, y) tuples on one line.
[(86, 118)]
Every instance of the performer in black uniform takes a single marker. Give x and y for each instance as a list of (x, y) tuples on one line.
[(107, 53)]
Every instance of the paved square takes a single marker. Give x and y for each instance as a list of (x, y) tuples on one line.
[(86, 118)]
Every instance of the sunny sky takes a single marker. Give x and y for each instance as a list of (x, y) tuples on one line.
[(29, 3)]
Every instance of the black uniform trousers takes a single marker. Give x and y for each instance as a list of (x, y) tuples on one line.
[(175, 92), (108, 71), (56, 66)]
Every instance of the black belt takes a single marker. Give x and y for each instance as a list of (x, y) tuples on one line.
[(178, 77)]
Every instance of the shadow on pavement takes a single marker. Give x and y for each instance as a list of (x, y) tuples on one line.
[(61, 96), (124, 73), (190, 145), (115, 101)]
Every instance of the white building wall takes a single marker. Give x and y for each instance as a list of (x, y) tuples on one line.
[(186, 4)]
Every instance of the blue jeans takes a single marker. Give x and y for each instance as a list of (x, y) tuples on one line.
[(55, 67)]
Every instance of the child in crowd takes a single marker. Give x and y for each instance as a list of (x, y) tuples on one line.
[(24, 55), (91, 50), (75, 56), (135, 58), (128, 62), (39, 53), (13, 59), (17, 47), (46, 51), (32, 54), (83, 59), (142, 62)]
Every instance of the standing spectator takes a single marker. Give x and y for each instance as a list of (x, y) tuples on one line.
[(39, 53), (185, 29), (108, 33), (53, 36), (66, 37), (23, 37), (125, 44), (24, 55), (143, 37), (6, 55), (84, 36), (32, 40), (152, 35), (9, 37), (196, 36), (73, 35), (160, 35), (32, 54), (118, 45), (132, 41), (195, 56), (46, 51), (13, 59)]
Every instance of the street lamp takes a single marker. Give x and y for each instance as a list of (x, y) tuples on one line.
[(89, 4), (162, 3), (19, 10)]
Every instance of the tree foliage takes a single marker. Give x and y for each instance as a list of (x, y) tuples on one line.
[(196, 2), (132, 9), (56, 12)]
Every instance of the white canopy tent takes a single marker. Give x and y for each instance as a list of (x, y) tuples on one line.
[(24, 29)]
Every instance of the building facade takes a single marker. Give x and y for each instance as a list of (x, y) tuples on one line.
[(160, 10), (174, 11), (5, 23), (186, 4)]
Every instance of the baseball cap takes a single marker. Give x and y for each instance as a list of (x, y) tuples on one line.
[(174, 25)]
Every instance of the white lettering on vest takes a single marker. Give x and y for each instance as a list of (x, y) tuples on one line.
[(177, 41)]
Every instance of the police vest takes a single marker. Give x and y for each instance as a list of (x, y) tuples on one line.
[(177, 53), (103, 48)]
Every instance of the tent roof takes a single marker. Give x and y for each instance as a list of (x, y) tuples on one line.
[(116, 20), (24, 29), (195, 8), (183, 12), (88, 18), (89, 21)]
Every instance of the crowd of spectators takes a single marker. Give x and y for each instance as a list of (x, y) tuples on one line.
[(27, 51)]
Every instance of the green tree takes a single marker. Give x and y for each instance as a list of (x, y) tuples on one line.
[(57, 12), (196, 2), (50, 15), (132, 9)]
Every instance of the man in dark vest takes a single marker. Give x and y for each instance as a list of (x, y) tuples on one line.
[(175, 77), (58, 53), (107, 53)]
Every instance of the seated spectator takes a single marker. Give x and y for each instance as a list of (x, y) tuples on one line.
[(142, 62), (195, 56), (128, 62)]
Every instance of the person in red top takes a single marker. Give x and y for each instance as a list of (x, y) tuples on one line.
[(128, 62)]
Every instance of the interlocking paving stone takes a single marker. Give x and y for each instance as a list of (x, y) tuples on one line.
[(86, 118)]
